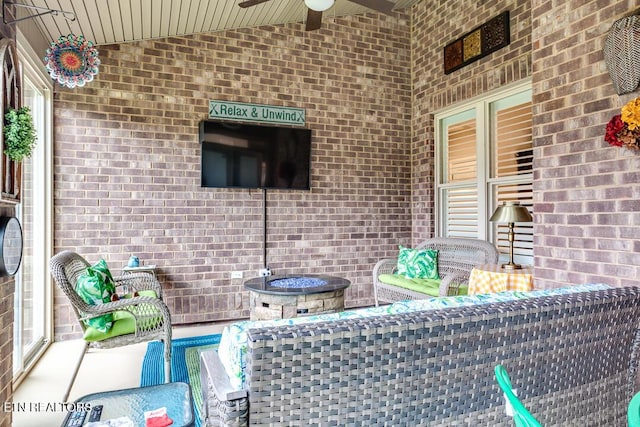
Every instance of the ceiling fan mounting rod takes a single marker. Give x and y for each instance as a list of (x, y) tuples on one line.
[(70, 16)]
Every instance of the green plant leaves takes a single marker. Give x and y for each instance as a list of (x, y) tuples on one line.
[(19, 133)]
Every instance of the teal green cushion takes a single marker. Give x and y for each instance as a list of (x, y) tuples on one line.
[(123, 323), (95, 286), (418, 263)]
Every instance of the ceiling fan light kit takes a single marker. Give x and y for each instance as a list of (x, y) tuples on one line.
[(319, 5)]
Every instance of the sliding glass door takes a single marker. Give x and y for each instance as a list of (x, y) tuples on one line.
[(32, 307)]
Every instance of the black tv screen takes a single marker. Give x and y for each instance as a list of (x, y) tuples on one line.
[(254, 156)]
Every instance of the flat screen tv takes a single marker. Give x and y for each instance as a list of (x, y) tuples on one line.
[(238, 155)]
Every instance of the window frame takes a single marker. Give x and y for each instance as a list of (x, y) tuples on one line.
[(486, 184), (32, 69)]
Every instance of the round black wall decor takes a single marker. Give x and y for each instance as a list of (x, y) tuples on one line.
[(10, 245)]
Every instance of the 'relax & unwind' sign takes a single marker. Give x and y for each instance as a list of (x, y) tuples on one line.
[(256, 113)]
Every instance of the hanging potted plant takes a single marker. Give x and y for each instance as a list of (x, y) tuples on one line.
[(19, 134)]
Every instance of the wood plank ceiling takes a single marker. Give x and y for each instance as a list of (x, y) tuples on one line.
[(119, 21)]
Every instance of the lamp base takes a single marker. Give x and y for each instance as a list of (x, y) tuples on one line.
[(511, 267)]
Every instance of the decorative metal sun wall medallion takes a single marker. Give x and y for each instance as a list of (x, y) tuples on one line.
[(72, 61)]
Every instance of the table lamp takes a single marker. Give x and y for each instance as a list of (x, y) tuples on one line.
[(511, 212)]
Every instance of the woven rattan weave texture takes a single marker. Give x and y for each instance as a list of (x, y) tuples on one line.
[(456, 259), (572, 359), (622, 54), (153, 320)]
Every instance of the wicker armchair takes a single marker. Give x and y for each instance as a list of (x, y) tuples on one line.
[(456, 259), (152, 317)]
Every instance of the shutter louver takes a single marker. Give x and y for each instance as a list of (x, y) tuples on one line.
[(513, 148), (461, 143), (462, 212), (523, 244)]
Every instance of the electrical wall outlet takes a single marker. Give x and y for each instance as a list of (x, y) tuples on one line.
[(264, 272), (236, 274)]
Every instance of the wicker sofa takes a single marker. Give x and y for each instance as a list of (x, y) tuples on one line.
[(571, 357), (456, 259)]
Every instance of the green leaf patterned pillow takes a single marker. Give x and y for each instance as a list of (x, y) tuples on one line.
[(95, 286), (418, 263)]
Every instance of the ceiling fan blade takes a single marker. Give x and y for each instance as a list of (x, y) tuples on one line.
[(314, 20), (249, 3), (384, 6)]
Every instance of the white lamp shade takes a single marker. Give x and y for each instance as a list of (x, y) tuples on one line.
[(319, 5)]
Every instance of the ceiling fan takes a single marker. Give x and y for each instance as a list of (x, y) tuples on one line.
[(316, 7)]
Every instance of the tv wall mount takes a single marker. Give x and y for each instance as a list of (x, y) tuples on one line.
[(41, 11)]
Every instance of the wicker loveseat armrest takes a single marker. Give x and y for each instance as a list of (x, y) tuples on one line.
[(385, 266), (223, 405), (450, 284), (139, 282)]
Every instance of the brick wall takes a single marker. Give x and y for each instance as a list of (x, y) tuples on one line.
[(7, 287), (436, 24), (127, 160), (127, 154), (585, 192)]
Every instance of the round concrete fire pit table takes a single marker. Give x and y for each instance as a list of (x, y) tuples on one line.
[(283, 297)]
